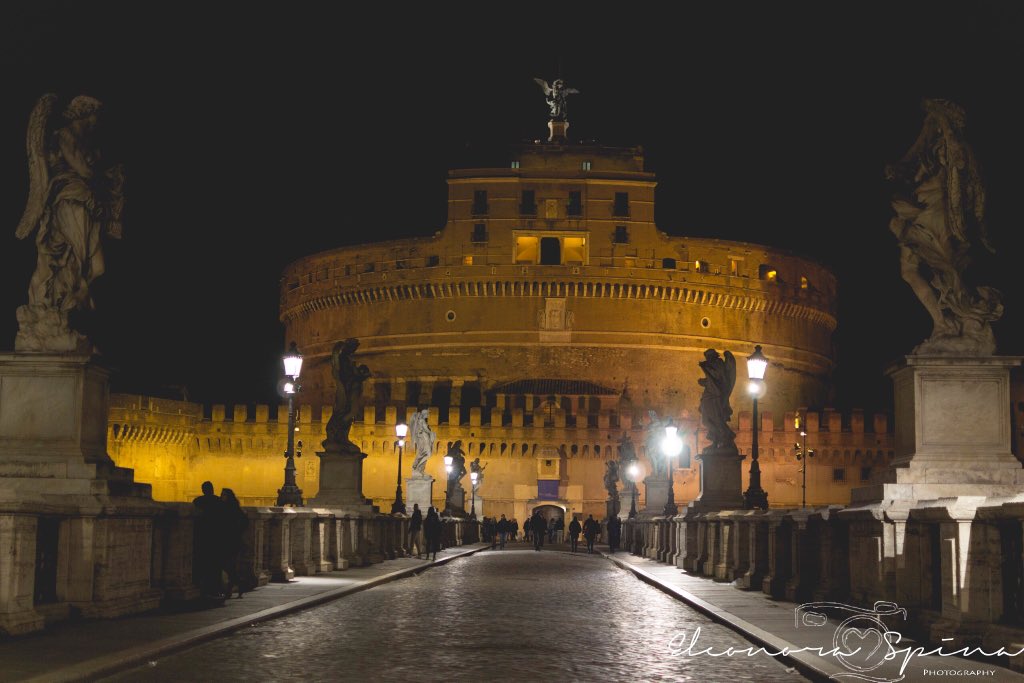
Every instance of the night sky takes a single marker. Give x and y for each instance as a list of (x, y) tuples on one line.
[(252, 137)]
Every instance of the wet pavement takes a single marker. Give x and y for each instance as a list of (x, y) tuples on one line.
[(513, 615)]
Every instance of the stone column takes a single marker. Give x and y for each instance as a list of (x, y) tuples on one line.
[(279, 562), (17, 567)]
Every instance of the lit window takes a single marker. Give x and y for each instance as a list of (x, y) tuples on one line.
[(701, 266), (527, 249), (734, 267), (515, 164), (803, 282), (467, 260), (766, 272), (586, 165)]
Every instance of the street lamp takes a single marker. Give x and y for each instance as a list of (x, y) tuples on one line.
[(448, 483), (802, 453), (671, 446), (290, 493), (401, 430), (755, 496), (634, 474), (472, 507)]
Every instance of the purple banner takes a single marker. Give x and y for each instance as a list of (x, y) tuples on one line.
[(547, 489)]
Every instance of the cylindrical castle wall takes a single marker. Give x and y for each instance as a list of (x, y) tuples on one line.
[(639, 329)]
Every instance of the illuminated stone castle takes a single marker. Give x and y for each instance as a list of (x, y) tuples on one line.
[(542, 323)]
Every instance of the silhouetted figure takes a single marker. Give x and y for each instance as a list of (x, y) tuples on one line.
[(503, 529), (513, 529), (614, 532), (527, 525), (233, 527), (560, 530), (591, 529), (209, 522), (415, 527), (539, 529), (432, 532), (574, 533)]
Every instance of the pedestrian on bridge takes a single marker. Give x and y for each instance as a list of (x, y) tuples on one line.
[(574, 533), (503, 529), (432, 532), (526, 529), (415, 527), (539, 528), (513, 529), (560, 530), (614, 532), (590, 530)]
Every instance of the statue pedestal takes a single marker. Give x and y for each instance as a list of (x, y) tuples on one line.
[(557, 131), (656, 489), (341, 480), (419, 490), (53, 429), (953, 431), (626, 500), (721, 481), (611, 508), (457, 502)]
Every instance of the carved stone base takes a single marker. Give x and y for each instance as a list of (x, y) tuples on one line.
[(722, 481), (953, 434), (557, 131), (46, 330), (419, 490), (656, 489), (341, 481)]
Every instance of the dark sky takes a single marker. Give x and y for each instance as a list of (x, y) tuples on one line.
[(255, 136)]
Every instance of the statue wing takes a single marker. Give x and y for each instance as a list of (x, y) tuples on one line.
[(571, 91), (730, 375), (543, 85), (38, 174)]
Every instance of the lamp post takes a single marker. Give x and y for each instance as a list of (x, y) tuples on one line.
[(803, 454), (472, 506), (634, 474), (290, 493), (401, 429), (448, 483), (671, 446), (755, 496)]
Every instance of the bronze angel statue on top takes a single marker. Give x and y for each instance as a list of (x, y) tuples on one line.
[(556, 95), (75, 200)]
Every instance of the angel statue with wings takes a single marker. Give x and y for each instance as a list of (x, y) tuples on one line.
[(715, 411), (556, 95), (423, 439), (75, 199)]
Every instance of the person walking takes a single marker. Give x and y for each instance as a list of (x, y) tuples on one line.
[(574, 533), (614, 532), (415, 527), (551, 530), (590, 530), (234, 522), (526, 529), (538, 526), (514, 525), (208, 526), (560, 530), (503, 527), (432, 532)]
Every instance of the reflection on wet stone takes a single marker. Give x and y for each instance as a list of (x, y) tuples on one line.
[(513, 615)]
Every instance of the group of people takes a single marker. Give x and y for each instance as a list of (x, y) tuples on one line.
[(424, 534), (500, 531), (219, 528), (553, 528)]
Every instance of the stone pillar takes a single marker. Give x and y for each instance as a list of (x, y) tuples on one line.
[(341, 480), (712, 539), (321, 526), (279, 542), (721, 481), (656, 489), (17, 569), (757, 551), (953, 434), (780, 538)]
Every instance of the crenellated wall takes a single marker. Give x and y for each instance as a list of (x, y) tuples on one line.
[(172, 446)]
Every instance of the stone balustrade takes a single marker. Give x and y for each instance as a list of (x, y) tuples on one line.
[(150, 555), (956, 564)]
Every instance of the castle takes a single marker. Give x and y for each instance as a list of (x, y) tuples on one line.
[(539, 326)]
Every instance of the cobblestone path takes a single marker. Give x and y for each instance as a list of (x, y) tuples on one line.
[(512, 615)]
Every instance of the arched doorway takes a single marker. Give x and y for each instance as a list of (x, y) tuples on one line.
[(549, 512)]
